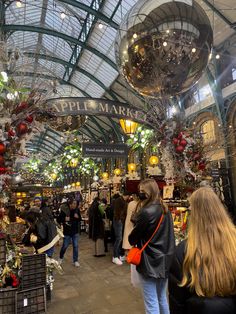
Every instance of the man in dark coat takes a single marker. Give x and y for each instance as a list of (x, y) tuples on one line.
[(70, 218)]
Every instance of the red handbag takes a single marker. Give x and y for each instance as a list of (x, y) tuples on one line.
[(134, 255)]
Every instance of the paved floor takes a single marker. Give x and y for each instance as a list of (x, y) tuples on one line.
[(96, 287)]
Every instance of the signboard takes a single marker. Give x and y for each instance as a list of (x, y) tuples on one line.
[(104, 150), (215, 173), (94, 106)]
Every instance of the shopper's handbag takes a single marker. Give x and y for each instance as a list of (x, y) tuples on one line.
[(107, 223), (134, 255)]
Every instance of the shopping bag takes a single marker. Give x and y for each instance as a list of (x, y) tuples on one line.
[(135, 279), (107, 223)]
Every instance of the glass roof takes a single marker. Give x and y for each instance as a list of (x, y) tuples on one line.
[(72, 43)]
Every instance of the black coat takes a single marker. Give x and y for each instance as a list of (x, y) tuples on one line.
[(96, 224), (71, 227), (157, 256), (183, 301), (46, 233)]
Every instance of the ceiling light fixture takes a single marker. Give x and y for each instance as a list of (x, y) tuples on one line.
[(18, 4), (217, 56), (63, 15), (194, 50), (100, 25), (165, 44)]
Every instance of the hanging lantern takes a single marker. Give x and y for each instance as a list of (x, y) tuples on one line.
[(73, 185), (74, 162), (153, 160), (117, 171), (105, 175), (131, 167), (53, 176), (18, 194), (77, 183), (128, 126)]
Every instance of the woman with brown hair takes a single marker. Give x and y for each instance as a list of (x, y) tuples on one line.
[(203, 274), (156, 258)]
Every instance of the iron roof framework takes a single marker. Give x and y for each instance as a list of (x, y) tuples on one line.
[(77, 52)]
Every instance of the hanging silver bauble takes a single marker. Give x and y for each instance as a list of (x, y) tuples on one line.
[(163, 46)]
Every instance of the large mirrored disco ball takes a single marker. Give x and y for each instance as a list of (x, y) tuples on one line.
[(163, 46)]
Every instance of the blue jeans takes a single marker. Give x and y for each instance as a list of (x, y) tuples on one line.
[(50, 252), (118, 229), (155, 295), (66, 242)]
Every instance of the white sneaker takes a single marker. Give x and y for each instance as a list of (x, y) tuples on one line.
[(123, 258), (116, 261), (60, 261), (77, 264)]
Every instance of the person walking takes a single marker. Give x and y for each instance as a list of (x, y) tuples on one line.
[(203, 273), (156, 258), (70, 218)]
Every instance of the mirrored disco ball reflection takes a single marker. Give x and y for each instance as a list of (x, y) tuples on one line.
[(163, 46), (65, 123)]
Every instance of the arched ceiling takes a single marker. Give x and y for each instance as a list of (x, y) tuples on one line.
[(76, 53)]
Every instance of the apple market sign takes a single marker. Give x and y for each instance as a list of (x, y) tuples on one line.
[(73, 106)]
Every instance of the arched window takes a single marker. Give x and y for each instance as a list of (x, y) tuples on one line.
[(208, 132)]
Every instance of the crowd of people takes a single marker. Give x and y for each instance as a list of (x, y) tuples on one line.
[(198, 276), (47, 224)]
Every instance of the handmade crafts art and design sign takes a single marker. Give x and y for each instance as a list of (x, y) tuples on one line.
[(94, 106), (104, 150)]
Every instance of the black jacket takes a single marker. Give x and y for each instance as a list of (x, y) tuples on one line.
[(46, 232), (96, 224), (70, 228), (157, 256), (183, 301)]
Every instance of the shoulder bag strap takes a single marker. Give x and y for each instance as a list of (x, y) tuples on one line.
[(155, 231)]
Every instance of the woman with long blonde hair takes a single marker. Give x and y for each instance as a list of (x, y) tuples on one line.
[(203, 274)]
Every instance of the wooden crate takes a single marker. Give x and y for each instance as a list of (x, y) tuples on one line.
[(31, 301), (7, 300)]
